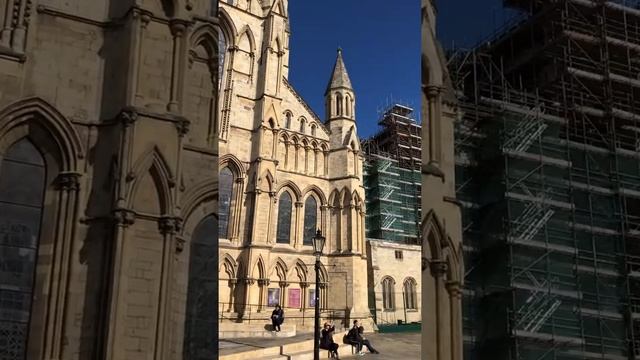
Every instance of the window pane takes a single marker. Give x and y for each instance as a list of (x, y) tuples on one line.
[(310, 220), (222, 51), (201, 323), (284, 219), (225, 192), (22, 178), (18, 188)]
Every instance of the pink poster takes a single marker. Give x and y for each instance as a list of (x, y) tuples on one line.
[(294, 298)]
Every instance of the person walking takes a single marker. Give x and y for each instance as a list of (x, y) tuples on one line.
[(365, 342), (277, 318), (326, 340)]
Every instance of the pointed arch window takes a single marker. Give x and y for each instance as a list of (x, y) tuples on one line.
[(201, 319), (222, 51), (410, 294), (22, 187), (283, 235), (313, 130), (302, 125), (310, 220), (347, 107), (225, 188), (287, 123), (388, 294), (338, 104)]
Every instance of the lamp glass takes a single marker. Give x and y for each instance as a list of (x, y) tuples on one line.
[(318, 243)]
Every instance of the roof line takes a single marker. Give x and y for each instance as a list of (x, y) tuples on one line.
[(306, 106)]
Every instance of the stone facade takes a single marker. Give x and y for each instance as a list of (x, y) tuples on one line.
[(394, 285), (283, 174), (108, 178), (442, 263)]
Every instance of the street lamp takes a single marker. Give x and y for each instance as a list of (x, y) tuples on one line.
[(318, 245)]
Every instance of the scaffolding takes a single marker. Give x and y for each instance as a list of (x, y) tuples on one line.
[(392, 178), (548, 173)]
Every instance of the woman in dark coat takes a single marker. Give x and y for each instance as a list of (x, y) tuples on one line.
[(277, 318), (326, 340)]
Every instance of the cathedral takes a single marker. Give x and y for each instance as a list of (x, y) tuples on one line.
[(108, 179), (284, 173)]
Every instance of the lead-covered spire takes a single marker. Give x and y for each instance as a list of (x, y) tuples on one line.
[(339, 96), (340, 77)]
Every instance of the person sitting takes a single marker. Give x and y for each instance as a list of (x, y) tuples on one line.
[(352, 338), (277, 318), (326, 340), (365, 342)]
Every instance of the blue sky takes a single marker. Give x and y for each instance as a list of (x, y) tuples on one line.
[(381, 47), (380, 42)]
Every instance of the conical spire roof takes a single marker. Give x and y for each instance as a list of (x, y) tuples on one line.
[(340, 77)]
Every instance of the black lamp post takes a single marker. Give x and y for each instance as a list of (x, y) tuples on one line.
[(318, 245)]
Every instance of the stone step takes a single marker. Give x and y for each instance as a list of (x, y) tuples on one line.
[(302, 355), (256, 334), (256, 354), (297, 347), (301, 350), (239, 331)]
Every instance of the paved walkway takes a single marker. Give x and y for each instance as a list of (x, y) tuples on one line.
[(232, 346), (391, 346)]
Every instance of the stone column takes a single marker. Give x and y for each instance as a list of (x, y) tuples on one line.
[(68, 186), (168, 227), (442, 331), (455, 307), (237, 205), (352, 229), (362, 232), (315, 161), (20, 22), (262, 283), (177, 30), (7, 28), (433, 123), (287, 162), (297, 152), (271, 226), (232, 288), (254, 221), (304, 286), (123, 220), (248, 283), (283, 293), (145, 18), (359, 229), (274, 151), (323, 295), (306, 159), (323, 224), (326, 162)]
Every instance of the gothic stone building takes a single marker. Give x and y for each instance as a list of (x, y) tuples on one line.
[(442, 270), (283, 174), (108, 168)]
